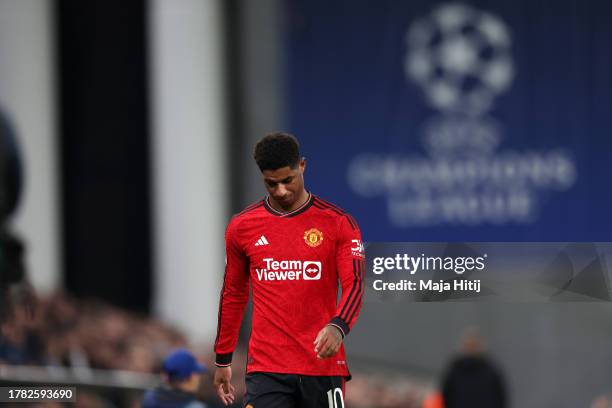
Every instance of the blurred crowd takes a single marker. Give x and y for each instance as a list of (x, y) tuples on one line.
[(80, 336), (62, 331)]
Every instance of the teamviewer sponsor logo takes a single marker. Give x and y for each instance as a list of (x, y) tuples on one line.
[(289, 270), (312, 270)]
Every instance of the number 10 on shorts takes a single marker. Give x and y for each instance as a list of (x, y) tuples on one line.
[(333, 396)]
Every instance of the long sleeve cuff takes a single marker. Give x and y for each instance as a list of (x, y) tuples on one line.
[(341, 325), (224, 360)]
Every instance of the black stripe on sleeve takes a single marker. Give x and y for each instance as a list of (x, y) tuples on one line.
[(324, 205), (352, 293), (220, 314), (327, 203), (251, 207), (361, 290), (350, 220), (355, 305)]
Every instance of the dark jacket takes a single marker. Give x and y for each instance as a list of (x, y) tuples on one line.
[(166, 397), (473, 382)]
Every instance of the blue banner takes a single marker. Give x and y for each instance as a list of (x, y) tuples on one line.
[(434, 121)]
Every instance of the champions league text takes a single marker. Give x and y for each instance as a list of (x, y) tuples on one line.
[(413, 264)]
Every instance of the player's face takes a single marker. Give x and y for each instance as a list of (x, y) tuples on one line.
[(286, 185)]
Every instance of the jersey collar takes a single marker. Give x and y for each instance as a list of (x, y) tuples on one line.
[(293, 213)]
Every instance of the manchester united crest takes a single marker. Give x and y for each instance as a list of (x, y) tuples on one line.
[(313, 237)]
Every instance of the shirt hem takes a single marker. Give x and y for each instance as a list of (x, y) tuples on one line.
[(344, 373)]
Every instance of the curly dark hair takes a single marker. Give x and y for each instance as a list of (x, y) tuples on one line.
[(277, 150)]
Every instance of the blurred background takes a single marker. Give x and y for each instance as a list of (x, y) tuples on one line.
[(126, 133)]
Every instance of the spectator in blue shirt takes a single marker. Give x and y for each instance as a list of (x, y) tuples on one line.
[(181, 372)]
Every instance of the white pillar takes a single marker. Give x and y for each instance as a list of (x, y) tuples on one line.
[(189, 166), (27, 96)]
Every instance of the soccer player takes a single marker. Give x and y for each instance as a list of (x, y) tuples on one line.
[(293, 248)]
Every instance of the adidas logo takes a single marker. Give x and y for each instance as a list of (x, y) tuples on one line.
[(262, 241)]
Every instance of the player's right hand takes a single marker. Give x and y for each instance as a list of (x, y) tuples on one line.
[(223, 385), (328, 342)]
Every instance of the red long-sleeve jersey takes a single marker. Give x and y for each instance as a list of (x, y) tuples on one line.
[(295, 263)]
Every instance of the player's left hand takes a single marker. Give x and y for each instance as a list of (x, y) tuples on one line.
[(328, 342)]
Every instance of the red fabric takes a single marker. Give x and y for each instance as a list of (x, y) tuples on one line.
[(289, 312), (434, 400)]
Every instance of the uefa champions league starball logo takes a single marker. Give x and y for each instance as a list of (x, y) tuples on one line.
[(460, 57)]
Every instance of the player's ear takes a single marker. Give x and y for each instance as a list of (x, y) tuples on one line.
[(302, 165)]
